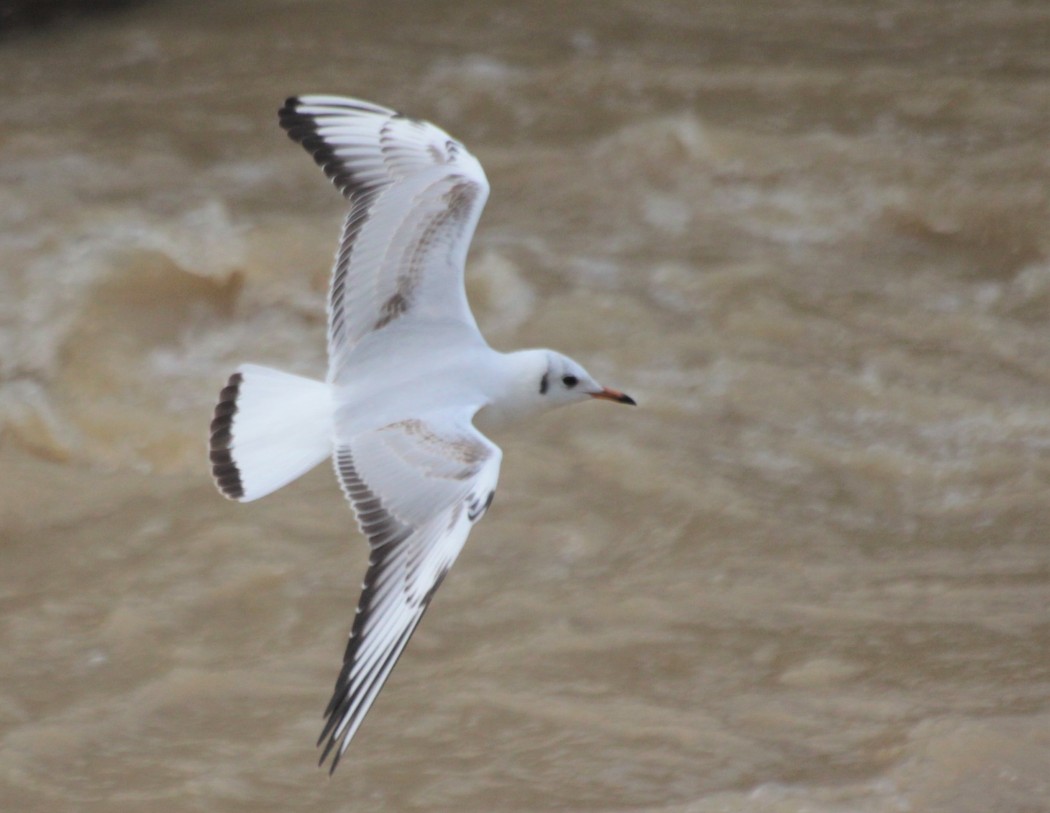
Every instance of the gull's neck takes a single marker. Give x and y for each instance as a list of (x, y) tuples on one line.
[(513, 394)]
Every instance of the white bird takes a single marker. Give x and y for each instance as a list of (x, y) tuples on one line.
[(408, 374)]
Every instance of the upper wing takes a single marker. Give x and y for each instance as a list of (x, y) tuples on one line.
[(417, 486), (415, 198)]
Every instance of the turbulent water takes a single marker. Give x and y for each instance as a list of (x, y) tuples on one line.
[(810, 572)]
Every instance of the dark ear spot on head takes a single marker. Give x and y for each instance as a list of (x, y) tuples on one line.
[(544, 383)]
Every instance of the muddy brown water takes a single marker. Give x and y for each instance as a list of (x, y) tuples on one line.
[(810, 572)]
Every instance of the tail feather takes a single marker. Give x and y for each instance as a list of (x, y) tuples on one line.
[(269, 428)]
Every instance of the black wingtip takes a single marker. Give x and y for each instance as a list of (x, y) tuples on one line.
[(324, 756), (288, 116)]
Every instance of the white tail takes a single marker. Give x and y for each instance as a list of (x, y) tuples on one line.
[(269, 428)]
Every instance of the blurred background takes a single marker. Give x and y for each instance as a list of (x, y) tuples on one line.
[(810, 572)]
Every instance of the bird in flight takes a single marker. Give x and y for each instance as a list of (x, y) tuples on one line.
[(409, 374)]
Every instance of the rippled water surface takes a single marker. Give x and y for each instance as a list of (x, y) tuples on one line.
[(810, 572)]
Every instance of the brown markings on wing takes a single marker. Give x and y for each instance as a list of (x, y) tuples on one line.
[(459, 200), (464, 449)]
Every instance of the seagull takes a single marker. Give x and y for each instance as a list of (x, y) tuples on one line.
[(410, 378)]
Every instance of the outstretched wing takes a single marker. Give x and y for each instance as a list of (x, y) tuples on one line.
[(415, 198), (417, 487)]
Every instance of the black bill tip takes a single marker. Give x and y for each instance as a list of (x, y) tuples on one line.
[(617, 397)]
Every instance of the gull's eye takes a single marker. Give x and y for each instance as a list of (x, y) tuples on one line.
[(569, 381)]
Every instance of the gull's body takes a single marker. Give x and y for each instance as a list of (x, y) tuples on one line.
[(409, 377), (449, 365)]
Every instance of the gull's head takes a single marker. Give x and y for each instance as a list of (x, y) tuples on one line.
[(564, 381), (536, 381)]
